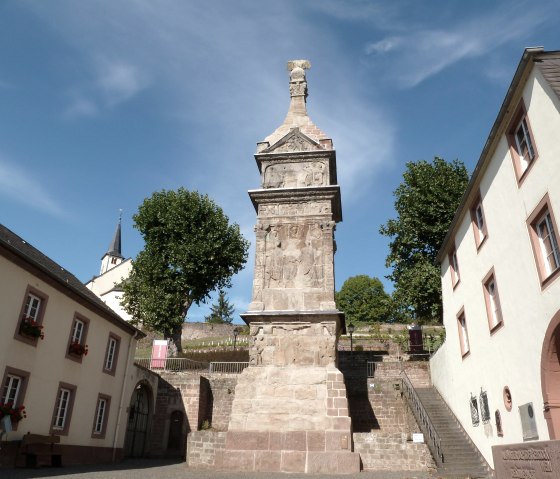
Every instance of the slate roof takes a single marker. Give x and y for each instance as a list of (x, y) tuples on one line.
[(66, 281), (549, 65)]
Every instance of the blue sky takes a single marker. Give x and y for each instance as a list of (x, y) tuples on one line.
[(104, 102)]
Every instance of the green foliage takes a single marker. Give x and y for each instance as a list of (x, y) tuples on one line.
[(425, 203), (190, 250), (363, 299), (222, 311)]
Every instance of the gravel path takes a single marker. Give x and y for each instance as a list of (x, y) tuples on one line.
[(165, 469)]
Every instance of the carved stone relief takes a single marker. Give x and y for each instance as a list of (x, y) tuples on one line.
[(314, 344), (294, 256), (295, 209), (295, 175)]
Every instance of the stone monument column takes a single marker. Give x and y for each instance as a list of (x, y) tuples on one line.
[(290, 411)]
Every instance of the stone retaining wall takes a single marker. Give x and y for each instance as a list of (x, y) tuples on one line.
[(391, 451), (203, 447), (207, 330)]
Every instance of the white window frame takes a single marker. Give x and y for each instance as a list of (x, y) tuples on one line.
[(521, 140), (525, 141), (32, 307), (454, 265), (10, 392), (463, 333), (62, 406), (100, 415), (78, 330), (551, 259), (111, 353)]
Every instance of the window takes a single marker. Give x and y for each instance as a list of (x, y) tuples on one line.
[(13, 388), (521, 143), (548, 243), (29, 326), (101, 416), (492, 299), (111, 354), (63, 409), (77, 347), (544, 239), (77, 331), (479, 223), (454, 265), (463, 333)]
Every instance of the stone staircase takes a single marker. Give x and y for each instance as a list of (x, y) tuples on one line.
[(461, 458)]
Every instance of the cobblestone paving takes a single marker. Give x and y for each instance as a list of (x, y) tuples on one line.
[(151, 468)]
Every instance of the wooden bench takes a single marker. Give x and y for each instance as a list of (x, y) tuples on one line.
[(40, 450)]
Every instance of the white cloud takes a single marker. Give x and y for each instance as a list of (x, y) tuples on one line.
[(422, 53), (383, 46), (119, 81), (17, 185)]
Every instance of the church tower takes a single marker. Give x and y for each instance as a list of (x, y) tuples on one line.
[(290, 410), (113, 256)]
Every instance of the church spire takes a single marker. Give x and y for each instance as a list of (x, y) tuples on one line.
[(115, 246), (113, 257)]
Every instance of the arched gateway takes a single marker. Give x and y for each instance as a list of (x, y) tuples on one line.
[(550, 376), (138, 422)]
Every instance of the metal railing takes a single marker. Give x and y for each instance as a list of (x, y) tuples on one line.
[(227, 367), (371, 369), (171, 364), (432, 438)]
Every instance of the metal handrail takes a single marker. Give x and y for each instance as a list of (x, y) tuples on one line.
[(171, 364), (227, 367), (423, 419)]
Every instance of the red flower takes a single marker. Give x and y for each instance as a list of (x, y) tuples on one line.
[(30, 327), (78, 349), (17, 413)]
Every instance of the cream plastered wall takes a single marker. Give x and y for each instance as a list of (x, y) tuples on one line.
[(48, 365), (102, 286), (510, 356)]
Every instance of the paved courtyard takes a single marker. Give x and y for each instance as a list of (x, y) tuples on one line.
[(165, 469)]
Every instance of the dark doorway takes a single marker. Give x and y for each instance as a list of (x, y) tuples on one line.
[(138, 419), (175, 440)]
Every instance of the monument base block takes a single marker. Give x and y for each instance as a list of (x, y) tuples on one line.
[(309, 452)]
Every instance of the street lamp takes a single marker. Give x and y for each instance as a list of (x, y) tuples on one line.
[(350, 329), (235, 333)]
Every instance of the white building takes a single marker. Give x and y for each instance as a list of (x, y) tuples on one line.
[(114, 269), (68, 358), (498, 369)]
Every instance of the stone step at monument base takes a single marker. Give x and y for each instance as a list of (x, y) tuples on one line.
[(311, 452)]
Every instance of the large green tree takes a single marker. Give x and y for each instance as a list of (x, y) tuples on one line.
[(190, 250), (425, 203), (363, 299), (221, 311)]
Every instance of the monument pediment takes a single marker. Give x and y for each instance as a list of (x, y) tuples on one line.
[(294, 141)]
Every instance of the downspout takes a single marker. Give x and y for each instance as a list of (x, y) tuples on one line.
[(137, 335)]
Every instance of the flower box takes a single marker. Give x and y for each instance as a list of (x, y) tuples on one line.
[(31, 328), (16, 413), (78, 349)]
